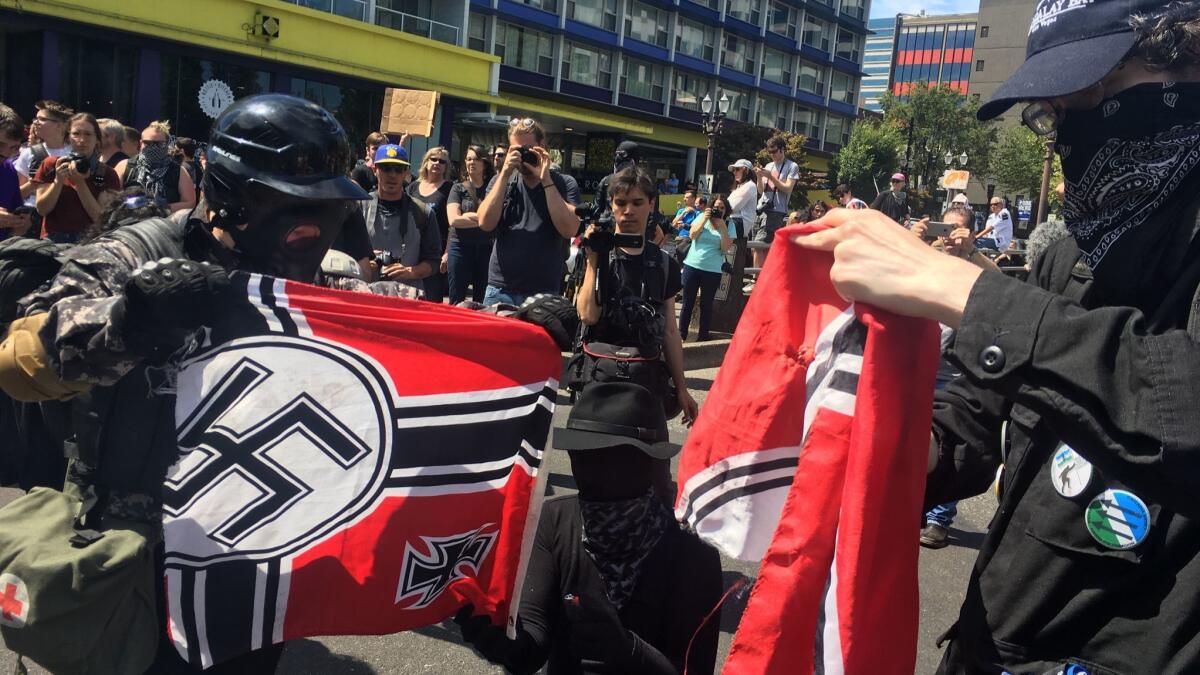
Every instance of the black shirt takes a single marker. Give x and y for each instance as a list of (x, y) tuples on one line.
[(461, 194), (529, 252), (364, 176), (641, 275), (437, 203), (115, 159), (892, 205)]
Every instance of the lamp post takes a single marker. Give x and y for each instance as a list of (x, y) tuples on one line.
[(949, 159), (711, 122)]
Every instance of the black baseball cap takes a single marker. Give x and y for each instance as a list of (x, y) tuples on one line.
[(1072, 45)]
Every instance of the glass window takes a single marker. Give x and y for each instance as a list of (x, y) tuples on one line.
[(587, 65), (546, 5), (642, 79), (808, 122), (782, 19), (772, 112), (711, 4), (811, 78), (477, 32), (353, 9), (979, 65), (525, 49), (849, 45), (739, 103), (695, 39), (816, 33), (842, 88), (98, 76), (746, 10), (837, 130), (688, 90), (357, 109), (777, 66), (647, 24), (739, 54), (598, 13), (854, 8)]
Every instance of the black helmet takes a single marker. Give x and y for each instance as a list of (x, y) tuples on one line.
[(279, 141)]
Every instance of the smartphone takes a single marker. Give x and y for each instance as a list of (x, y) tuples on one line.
[(937, 229)]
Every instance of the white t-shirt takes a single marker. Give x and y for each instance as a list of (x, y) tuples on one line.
[(789, 170), (742, 202), (26, 157), (1002, 228)]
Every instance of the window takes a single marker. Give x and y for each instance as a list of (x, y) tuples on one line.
[(695, 40), (711, 4), (979, 65), (351, 106), (647, 24), (811, 78), (782, 20), (808, 122), (816, 33), (545, 5), (746, 10), (772, 112), (739, 54), (643, 80), (598, 13), (837, 130), (777, 67), (842, 88), (853, 8), (739, 103), (525, 49), (477, 32), (587, 65), (983, 31), (688, 91), (849, 45)]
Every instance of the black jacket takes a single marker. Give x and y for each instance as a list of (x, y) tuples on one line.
[(892, 206), (1060, 366)]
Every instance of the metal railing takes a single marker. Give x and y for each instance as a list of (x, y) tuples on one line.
[(415, 25), (351, 9)]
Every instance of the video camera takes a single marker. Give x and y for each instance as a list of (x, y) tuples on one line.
[(605, 237)]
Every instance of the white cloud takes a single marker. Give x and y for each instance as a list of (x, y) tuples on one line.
[(893, 7)]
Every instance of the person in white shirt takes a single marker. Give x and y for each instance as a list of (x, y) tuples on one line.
[(50, 129), (999, 227), (743, 197)]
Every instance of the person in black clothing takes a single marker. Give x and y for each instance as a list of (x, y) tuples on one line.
[(470, 248), (433, 188), (1091, 562), (615, 584), (893, 203), (156, 170), (363, 172)]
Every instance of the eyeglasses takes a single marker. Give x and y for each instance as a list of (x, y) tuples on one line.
[(1041, 117), (436, 160), (46, 120), (522, 122)]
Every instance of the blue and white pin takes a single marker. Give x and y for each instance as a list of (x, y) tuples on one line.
[(1118, 519), (1069, 472)]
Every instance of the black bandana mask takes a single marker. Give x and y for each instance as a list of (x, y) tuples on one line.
[(619, 536), (1130, 164), (287, 237)]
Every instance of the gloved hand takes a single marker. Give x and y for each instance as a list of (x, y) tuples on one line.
[(554, 314), (167, 299), (479, 631)]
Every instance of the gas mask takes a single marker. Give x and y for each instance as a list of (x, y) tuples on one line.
[(286, 236)]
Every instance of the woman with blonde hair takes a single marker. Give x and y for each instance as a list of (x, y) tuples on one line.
[(433, 188), (155, 170)]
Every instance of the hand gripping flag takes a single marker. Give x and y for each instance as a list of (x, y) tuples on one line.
[(810, 455), (350, 464)]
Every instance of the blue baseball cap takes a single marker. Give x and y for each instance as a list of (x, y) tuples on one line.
[(1072, 45), (391, 154)]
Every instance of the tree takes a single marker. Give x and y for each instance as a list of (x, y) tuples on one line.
[(1018, 159), (934, 120), (869, 159), (739, 140)]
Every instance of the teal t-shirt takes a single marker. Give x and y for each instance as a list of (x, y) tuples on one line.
[(705, 253)]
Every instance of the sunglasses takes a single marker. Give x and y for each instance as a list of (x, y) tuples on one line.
[(1041, 117), (436, 160), (897, 181), (391, 168), (521, 122), (150, 144)]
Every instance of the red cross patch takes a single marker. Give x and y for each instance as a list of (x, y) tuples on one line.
[(14, 601)]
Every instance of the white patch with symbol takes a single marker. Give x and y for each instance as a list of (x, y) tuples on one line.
[(14, 601), (1069, 472), (215, 96)]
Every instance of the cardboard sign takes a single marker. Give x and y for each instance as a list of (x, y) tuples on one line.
[(955, 179), (408, 111)]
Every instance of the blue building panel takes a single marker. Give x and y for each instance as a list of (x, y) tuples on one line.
[(780, 42), (813, 54), (737, 76), (647, 50), (780, 89), (856, 25), (742, 28), (642, 104), (526, 77), (514, 10), (591, 33), (811, 99), (699, 12), (847, 66), (698, 65), (844, 108), (820, 11), (586, 91), (685, 115)]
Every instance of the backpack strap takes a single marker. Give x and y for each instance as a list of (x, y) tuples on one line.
[(37, 155)]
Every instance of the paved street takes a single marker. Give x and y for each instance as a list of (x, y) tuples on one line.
[(437, 649)]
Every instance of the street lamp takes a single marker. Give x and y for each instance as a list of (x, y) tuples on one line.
[(949, 159), (712, 122)]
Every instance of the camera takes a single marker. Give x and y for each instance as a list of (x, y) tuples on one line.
[(384, 258), (528, 156), (605, 237), (81, 163)]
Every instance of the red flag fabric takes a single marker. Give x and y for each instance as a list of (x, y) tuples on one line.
[(810, 455), (351, 464)]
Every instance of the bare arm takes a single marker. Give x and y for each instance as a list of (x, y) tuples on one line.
[(562, 214), (28, 187), (461, 220), (493, 203), (187, 192), (673, 353), (47, 193)]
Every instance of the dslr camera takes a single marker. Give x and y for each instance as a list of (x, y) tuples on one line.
[(605, 237), (528, 156), (83, 164), (385, 258)]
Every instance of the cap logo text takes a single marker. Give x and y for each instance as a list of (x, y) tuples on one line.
[(1048, 11)]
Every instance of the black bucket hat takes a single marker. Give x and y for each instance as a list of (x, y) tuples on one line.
[(1072, 45), (610, 414)]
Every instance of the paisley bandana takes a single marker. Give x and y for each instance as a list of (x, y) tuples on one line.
[(1126, 160), (619, 536)]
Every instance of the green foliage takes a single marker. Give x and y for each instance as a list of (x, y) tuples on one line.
[(869, 159), (933, 120), (1017, 161), (739, 140)]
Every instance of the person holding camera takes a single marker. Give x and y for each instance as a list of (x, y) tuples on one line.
[(528, 209), (702, 267), (73, 190), (403, 230)]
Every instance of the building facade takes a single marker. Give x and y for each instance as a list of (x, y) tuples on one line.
[(1000, 48), (877, 61), (934, 49)]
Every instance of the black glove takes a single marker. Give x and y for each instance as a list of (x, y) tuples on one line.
[(168, 299), (555, 314), (478, 631)]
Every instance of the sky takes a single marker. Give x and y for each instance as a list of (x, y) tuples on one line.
[(893, 7)]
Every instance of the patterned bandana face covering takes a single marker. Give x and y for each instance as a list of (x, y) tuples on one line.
[(1126, 159), (151, 167), (619, 535)]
